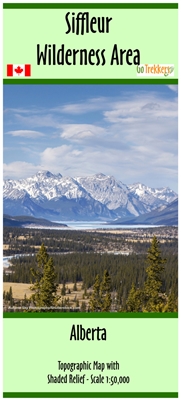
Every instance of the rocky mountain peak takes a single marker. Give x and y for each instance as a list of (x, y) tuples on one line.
[(96, 195)]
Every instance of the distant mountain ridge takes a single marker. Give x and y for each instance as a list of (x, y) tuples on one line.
[(24, 221), (164, 215), (97, 197)]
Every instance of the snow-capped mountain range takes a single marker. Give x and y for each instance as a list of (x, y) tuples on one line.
[(55, 197)]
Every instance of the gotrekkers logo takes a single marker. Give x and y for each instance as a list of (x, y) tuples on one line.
[(155, 70)]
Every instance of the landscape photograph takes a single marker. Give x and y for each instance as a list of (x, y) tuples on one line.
[(90, 198)]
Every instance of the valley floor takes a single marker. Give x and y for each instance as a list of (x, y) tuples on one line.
[(78, 256)]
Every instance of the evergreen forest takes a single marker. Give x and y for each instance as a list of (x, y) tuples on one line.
[(83, 257)]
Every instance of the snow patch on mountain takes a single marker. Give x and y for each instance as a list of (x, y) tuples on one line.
[(97, 195), (105, 189), (152, 198)]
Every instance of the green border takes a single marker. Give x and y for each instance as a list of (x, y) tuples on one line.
[(90, 5), (87, 315), (92, 394), (26, 81), (90, 315)]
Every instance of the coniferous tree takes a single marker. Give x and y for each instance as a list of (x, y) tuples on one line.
[(10, 293), (63, 290), (150, 298), (25, 301), (42, 258), (153, 299), (48, 295), (45, 286), (95, 299), (100, 299), (11, 296), (134, 301), (83, 306), (172, 303), (77, 303), (105, 292)]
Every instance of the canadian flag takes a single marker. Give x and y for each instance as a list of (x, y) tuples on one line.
[(18, 70)]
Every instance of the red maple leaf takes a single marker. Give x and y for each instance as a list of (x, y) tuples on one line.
[(18, 70)]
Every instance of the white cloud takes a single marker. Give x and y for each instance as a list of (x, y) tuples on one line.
[(19, 169), (134, 139), (76, 152), (77, 132), (173, 87), (25, 133), (83, 107), (141, 108), (143, 162), (40, 120), (50, 154), (140, 163), (61, 159), (20, 110)]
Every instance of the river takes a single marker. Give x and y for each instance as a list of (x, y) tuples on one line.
[(82, 225), (87, 225)]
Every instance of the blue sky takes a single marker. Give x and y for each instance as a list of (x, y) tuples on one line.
[(128, 131)]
